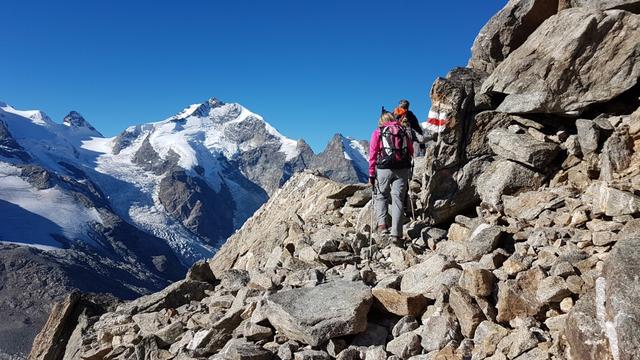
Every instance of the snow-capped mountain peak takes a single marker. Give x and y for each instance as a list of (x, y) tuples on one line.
[(75, 121), (36, 116)]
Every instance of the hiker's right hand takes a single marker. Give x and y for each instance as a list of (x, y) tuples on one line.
[(372, 180)]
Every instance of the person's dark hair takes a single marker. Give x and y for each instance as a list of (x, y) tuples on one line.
[(404, 104)]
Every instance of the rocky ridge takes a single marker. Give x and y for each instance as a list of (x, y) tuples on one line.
[(524, 243)]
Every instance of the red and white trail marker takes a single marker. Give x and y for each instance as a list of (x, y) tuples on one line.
[(437, 121)]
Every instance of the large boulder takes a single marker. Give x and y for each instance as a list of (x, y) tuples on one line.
[(507, 30), (611, 201), (604, 324), (522, 148), (584, 332), (50, 343), (173, 296), (427, 277), (315, 315), (517, 298), (599, 48), (504, 177), (630, 5)]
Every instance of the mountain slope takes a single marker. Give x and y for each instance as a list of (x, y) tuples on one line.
[(344, 160)]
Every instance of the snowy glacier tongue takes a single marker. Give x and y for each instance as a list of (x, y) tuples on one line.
[(355, 151), (35, 216)]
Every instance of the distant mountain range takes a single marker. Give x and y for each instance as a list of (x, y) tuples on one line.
[(129, 214)]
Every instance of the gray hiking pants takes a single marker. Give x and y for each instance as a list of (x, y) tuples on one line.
[(391, 186)]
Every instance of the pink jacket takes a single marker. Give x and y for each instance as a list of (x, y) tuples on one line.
[(375, 146)]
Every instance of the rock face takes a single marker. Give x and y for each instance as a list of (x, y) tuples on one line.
[(537, 77), (629, 5), (507, 30), (200, 208), (344, 160), (59, 326), (315, 315), (522, 148), (603, 325)]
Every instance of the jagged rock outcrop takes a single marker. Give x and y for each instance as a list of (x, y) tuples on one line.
[(507, 30), (629, 5), (9, 147), (344, 160), (577, 58)]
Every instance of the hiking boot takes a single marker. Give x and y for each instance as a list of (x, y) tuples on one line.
[(382, 229), (398, 241)]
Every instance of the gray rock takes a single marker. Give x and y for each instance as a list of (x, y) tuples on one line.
[(337, 258), (486, 339), (427, 277), (483, 240), (233, 280), (477, 282), (200, 271), (477, 143), (616, 153), (619, 290), (612, 202), (360, 198), (286, 350), (507, 30), (240, 349), (170, 333), (439, 329), (536, 76), (588, 136), (517, 342), (255, 332), (529, 205), (335, 346), (404, 325), (504, 177), (467, 311), (315, 315), (309, 354), (405, 345), (552, 290), (173, 296), (522, 148), (375, 353)]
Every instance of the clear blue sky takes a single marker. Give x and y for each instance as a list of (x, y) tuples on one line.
[(311, 68)]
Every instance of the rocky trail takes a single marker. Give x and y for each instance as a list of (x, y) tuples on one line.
[(526, 242)]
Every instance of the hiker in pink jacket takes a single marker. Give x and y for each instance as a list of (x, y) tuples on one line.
[(390, 154)]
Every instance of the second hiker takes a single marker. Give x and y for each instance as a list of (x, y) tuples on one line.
[(390, 153), (403, 114)]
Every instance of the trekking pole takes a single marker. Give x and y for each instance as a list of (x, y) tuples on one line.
[(413, 212), (371, 218)]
